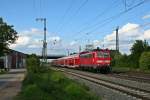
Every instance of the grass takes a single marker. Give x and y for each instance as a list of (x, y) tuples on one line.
[(53, 85), (2, 71), (120, 69)]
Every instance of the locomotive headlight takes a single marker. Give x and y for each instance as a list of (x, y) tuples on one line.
[(107, 61), (99, 61)]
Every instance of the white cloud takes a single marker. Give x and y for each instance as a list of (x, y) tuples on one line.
[(21, 41), (147, 34), (28, 39), (73, 43), (146, 16), (96, 43), (127, 35), (32, 31), (34, 46), (36, 43), (129, 30)]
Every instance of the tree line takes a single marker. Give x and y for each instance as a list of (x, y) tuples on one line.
[(138, 59)]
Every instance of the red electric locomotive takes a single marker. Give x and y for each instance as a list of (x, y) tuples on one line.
[(98, 60)]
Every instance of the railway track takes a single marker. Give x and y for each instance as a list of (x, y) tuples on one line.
[(132, 91), (130, 77)]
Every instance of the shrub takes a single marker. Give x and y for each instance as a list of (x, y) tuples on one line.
[(145, 61), (33, 64), (53, 85)]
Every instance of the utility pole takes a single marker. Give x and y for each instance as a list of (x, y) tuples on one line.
[(44, 49), (79, 48), (117, 39), (68, 52)]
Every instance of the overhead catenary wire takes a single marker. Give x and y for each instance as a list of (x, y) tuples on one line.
[(119, 15), (110, 19), (75, 14), (61, 22), (132, 29), (128, 41), (105, 11), (127, 3), (104, 22)]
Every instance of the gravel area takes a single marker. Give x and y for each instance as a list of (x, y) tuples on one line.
[(101, 91), (141, 85)]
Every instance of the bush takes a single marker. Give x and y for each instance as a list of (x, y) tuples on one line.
[(121, 61), (45, 84), (53, 85), (145, 61), (33, 64)]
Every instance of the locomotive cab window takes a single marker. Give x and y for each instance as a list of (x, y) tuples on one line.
[(100, 54), (103, 54), (106, 55), (86, 56)]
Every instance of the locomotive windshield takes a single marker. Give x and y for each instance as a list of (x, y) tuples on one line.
[(102, 54), (106, 54)]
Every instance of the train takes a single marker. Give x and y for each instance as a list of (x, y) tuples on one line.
[(95, 60)]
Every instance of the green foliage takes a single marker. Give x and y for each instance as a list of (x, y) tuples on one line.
[(7, 36), (138, 47), (42, 84), (121, 60), (145, 61), (33, 64), (2, 71), (52, 85), (33, 92), (130, 61)]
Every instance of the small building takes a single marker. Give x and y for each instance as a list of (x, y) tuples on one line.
[(13, 59)]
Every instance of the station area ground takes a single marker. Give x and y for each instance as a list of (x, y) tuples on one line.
[(10, 83)]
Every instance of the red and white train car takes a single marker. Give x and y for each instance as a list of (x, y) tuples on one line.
[(96, 59)]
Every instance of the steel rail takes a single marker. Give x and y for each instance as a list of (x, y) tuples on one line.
[(132, 91), (142, 79)]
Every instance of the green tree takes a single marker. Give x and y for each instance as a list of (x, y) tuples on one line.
[(145, 60), (138, 47), (115, 57), (33, 63), (121, 60), (7, 36)]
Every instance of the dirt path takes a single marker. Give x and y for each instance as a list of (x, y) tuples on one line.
[(10, 83)]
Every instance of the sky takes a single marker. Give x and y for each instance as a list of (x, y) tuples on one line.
[(74, 23)]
